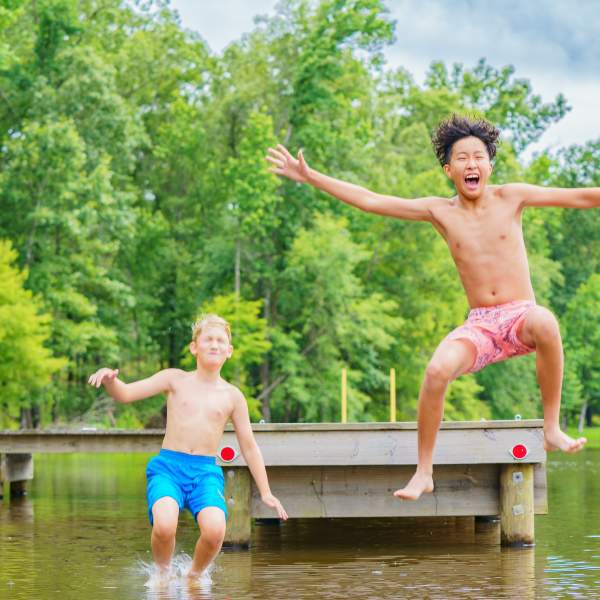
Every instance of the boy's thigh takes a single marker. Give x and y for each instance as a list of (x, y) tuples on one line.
[(164, 492), (208, 492)]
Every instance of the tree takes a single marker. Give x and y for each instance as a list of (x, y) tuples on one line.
[(27, 364)]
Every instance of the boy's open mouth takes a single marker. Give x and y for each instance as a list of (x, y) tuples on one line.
[(472, 181)]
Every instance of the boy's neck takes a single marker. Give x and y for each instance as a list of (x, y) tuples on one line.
[(472, 203), (207, 375)]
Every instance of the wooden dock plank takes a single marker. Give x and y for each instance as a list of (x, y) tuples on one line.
[(317, 443), (315, 492)]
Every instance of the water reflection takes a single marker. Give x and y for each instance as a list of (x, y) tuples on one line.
[(83, 533)]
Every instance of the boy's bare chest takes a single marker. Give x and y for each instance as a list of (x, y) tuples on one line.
[(483, 233), (193, 404)]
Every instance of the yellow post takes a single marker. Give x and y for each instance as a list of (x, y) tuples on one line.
[(392, 395), (344, 397)]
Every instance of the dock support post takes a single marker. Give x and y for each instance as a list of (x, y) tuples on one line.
[(516, 505), (18, 470), (238, 497)]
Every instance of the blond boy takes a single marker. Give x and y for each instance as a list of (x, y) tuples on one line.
[(185, 473)]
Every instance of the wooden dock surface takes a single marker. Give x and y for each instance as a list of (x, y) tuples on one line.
[(321, 470)]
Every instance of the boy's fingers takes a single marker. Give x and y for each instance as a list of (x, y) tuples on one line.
[(277, 154), (275, 161), (283, 149)]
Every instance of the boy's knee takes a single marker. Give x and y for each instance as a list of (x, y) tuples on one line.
[(164, 530), (213, 535), (545, 326), (438, 373)]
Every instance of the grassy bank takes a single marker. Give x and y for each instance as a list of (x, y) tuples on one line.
[(591, 433)]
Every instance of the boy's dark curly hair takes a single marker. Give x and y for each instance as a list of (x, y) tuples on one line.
[(455, 128)]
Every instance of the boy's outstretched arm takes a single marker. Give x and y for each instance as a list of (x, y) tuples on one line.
[(130, 392), (535, 195), (252, 454), (286, 165)]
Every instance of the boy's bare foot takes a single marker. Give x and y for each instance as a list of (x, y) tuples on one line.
[(420, 483), (160, 577), (555, 439)]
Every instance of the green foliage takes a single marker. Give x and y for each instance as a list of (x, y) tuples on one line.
[(27, 364), (582, 342), (134, 190), (329, 321)]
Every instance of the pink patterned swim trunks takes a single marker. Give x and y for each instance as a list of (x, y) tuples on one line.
[(493, 331)]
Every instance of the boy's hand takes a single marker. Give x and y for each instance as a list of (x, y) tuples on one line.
[(287, 165), (102, 375), (271, 501)]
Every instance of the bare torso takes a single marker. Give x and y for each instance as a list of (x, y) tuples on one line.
[(197, 413), (486, 243)]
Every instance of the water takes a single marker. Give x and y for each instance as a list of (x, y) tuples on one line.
[(83, 533)]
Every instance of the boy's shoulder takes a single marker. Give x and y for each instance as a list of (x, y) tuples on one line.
[(174, 373), (509, 191), (235, 392)]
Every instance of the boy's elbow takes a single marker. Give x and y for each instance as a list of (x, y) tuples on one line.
[(369, 204)]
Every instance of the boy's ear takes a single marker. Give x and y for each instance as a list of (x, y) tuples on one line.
[(230, 351), (446, 168), (193, 348)]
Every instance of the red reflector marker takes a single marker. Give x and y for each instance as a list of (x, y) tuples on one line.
[(227, 454), (519, 451)]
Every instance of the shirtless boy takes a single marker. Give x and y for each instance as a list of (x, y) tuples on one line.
[(185, 473), (482, 228)]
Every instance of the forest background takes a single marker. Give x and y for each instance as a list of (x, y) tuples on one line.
[(134, 195)]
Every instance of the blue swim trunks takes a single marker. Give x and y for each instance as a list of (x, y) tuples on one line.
[(193, 481)]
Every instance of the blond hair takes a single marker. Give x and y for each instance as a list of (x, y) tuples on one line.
[(210, 319)]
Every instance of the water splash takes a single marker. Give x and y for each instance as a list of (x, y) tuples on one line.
[(175, 584)]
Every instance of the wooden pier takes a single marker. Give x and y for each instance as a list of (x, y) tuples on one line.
[(319, 470)]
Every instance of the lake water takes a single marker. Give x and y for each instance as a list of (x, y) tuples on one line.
[(82, 532)]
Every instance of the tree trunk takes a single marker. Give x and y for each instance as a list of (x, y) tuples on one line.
[(265, 367), (238, 285), (238, 260), (25, 418), (35, 416), (581, 423)]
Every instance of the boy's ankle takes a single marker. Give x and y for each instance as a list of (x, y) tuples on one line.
[(551, 428), (424, 471)]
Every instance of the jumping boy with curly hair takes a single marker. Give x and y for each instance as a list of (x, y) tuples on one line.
[(482, 228)]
